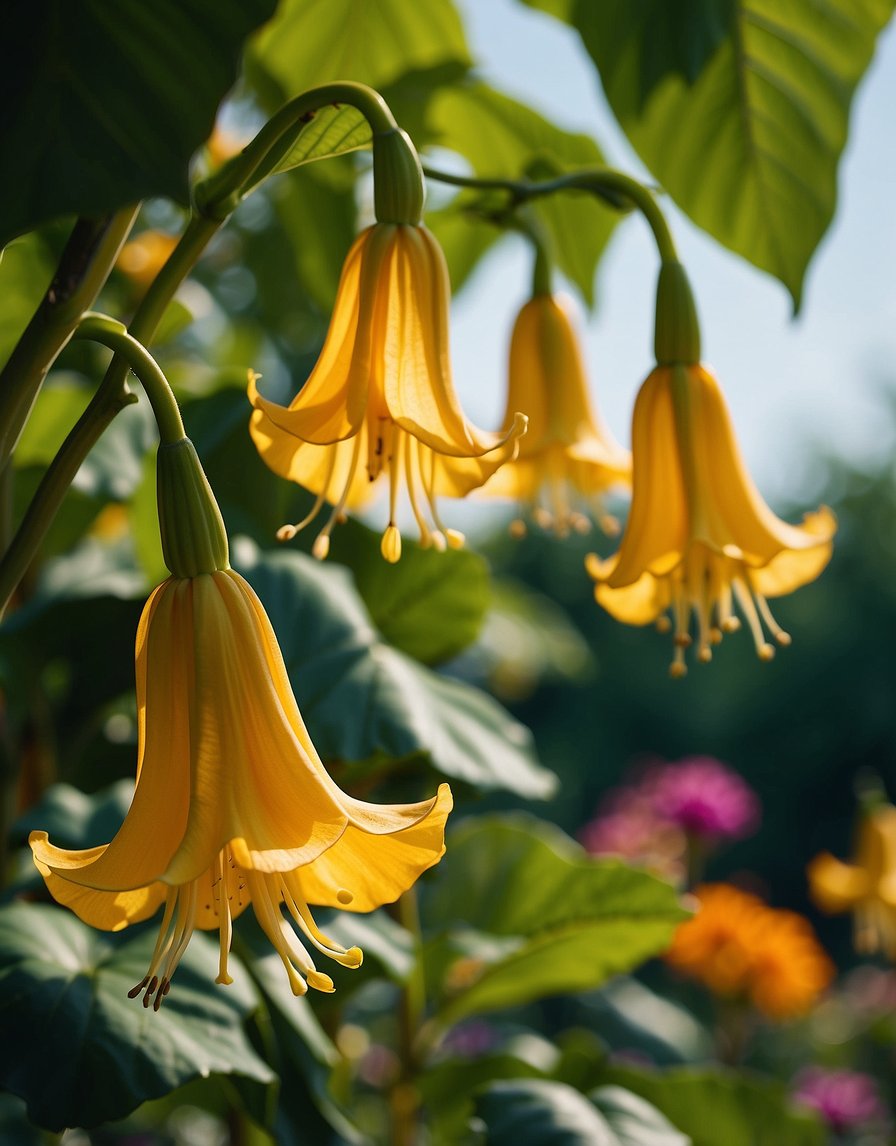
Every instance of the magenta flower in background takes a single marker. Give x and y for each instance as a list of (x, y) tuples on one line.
[(705, 798), (628, 825), (669, 810), (845, 1099)]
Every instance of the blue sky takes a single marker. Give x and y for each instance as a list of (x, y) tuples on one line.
[(790, 384)]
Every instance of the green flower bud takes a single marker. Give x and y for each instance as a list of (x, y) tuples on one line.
[(194, 539), (398, 187), (677, 334)]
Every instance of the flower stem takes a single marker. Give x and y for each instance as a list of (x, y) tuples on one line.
[(85, 264), (217, 196), (404, 1098), (108, 331), (106, 403), (614, 187)]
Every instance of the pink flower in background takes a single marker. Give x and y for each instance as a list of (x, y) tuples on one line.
[(628, 825), (845, 1099), (652, 819), (706, 798)]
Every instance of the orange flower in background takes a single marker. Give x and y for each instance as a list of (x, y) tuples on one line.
[(143, 257), (380, 399), (699, 537), (737, 946), (867, 887), (568, 454)]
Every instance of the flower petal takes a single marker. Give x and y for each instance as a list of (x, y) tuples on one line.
[(836, 886), (155, 822), (377, 868), (657, 529), (332, 403), (257, 782), (417, 384), (107, 910), (321, 469)]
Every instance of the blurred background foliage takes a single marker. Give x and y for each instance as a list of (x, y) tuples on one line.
[(507, 1012)]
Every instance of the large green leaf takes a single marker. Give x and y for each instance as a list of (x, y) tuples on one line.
[(502, 138), (375, 42), (83, 1052), (739, 107), (430, 605), (114, 467), (303, 1053), (332, 131), (363, 698), (536, 1111), (563, 922), (714, 1106), (105, 103)]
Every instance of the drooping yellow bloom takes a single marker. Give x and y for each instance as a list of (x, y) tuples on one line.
[(739, 947), (232, 803), (380, 399), (568, 454), (699, 536), (866, 887)]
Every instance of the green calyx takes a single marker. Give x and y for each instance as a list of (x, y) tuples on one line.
[(398, 187), (194, 539), (677, 333)]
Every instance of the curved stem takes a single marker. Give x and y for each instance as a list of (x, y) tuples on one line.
[(148, 314), (85, 264), (106, 403), (107, 331), (218, 195), (614, 187), (54, 485)]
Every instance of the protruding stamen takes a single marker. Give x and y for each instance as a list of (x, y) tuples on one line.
[(780, 635), (225, 919), (764, 650), (455, 539), (321, 546), (288, 532), (344, 896), (283, 939), (411, 469), (298, 909), (429, 490), (390, 546)]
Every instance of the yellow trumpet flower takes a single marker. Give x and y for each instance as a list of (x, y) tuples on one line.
[(380, 398), (699, 536), (568, 453), (233, 805), (866, 887)]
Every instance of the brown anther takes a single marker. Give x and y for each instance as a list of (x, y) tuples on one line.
[(135, 991)]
